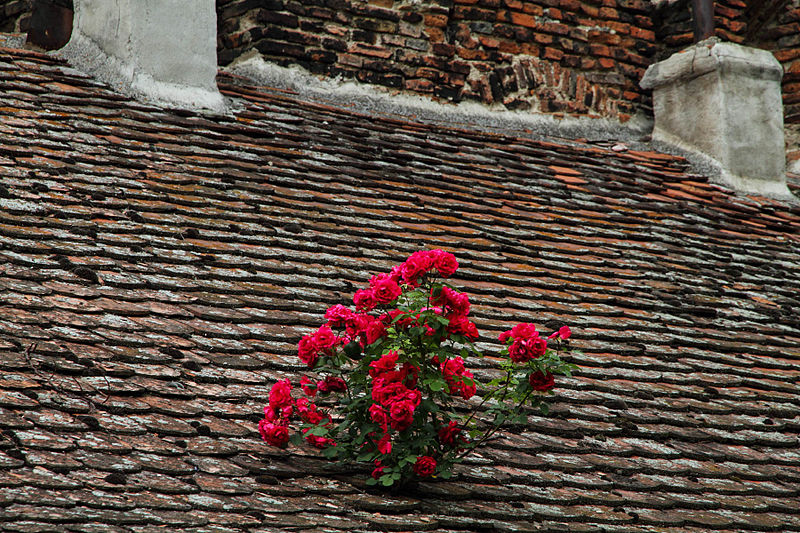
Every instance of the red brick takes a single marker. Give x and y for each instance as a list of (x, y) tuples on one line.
[(370, 50), (351, 60), (553, 53), (441, 49), (639, 33), (523, 20), (420, 86), (510, 47), (608, 13), (606, 63), (489, 42), (436, 21), (532, 9)]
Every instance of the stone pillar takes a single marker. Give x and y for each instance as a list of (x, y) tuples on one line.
[(160, 50), (724, 101)]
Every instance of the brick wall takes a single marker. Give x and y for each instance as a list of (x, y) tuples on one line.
[(556, 56)]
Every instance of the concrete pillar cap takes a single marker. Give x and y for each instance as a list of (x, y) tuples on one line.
[(708, 56)]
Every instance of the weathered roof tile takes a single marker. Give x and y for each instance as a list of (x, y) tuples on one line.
[(165, 265)]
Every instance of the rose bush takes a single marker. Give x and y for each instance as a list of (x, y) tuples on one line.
[(393, 377)]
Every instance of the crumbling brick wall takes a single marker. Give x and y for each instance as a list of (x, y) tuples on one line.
[(556, 56)]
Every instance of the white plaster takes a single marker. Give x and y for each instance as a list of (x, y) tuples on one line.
[(381, 101), (724, 101), (162, 51)]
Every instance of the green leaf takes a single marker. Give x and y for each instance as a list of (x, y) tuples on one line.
[(387, 481), (544, 408), (365, 457), (436, 385), (372, 481), (446, 474), (330, 452), (319, 431)]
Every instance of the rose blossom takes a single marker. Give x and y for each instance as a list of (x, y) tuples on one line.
[(307, 352), (378, 415), (450, 434), (274, 434), (445, 263), (385, 364), (541, 381), (308, 386), (425, 466), (331, 384), (375, 331), (416, 265), (364, 300), (280, 395), (563, 333), (324, 338), (401, 415), (385, 445), (454, 374), (460, 325), (337, 315), (378, 472), (308, 411), (384, 288), (320, 442)]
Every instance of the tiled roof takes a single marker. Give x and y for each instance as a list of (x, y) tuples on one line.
[(159, 267)]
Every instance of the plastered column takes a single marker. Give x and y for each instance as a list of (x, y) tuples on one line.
[(724, 101), (159, 50)]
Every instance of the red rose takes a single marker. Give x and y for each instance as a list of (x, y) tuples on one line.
[(536, 347), (445, 263), (337, 315), (541, 381), (460, 325), (274, 434), (517, 351), (385, 445), (385, 364), (468, 388), (449, 434), (307, 351), (401, 415), (385, 391), (378, 415), (378, 472), (455, 374), (522, 349), (374, 331), (280, 395), (308, 386), (425, 466), (324, 338), (308, 411), (332, 384), (319, 442), (384, 289), (416, 265), (523, 331), (364, 300)]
